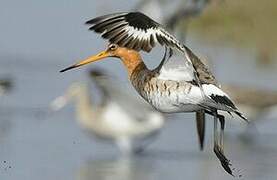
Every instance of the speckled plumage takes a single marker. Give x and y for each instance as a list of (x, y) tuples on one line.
[(165, 95)]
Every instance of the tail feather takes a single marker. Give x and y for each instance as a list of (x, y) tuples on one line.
[(241, 116)]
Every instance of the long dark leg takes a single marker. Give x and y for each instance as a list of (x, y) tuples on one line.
[(222, 126), (218, 150), (221, 135), (200, 125), (215, 131)]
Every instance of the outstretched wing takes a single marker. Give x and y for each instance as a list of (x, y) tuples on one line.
[(137, 31), (133, 30)]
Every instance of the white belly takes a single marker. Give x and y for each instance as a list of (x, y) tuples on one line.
[(177, 101)]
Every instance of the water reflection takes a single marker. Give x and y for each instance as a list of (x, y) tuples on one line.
[(124, 168), (162, 164), (5, 126)]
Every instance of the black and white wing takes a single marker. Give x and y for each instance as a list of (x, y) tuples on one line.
[(137, 31), (133, 30)]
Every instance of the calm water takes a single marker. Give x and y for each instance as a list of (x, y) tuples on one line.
[(35, 143)]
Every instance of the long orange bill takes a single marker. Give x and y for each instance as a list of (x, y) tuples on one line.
[(94, 58)]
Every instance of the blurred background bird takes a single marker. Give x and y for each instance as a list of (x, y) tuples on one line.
[(5, 85), (119, 117)]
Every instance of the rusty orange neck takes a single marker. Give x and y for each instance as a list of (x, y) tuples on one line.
[(132, 61), (138, 73)]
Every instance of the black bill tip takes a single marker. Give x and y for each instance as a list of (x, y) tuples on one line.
[(68, 68)]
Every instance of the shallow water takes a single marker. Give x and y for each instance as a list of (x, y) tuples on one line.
[(36, 143)]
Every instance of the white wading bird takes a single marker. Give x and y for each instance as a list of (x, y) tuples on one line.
[(121, 118), (186, 86)]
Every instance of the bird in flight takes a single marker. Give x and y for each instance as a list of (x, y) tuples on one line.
[(180, 83)]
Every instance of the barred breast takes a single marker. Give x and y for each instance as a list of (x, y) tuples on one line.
[(167, 95)]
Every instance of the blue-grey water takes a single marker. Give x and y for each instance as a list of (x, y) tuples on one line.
[(38, 38)]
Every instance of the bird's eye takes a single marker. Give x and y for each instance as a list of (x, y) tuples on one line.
[(113, 47)]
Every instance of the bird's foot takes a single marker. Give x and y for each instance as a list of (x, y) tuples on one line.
[(224, 161)]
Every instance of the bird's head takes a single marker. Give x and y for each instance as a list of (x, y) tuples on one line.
[(113, 50), (73, 92)]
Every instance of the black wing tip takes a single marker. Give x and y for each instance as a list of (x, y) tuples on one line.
[(107, 16), (241, 116), (93, 21), (136, 13), (140, 15), (89, 22), (226, 101), (223, 100)]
